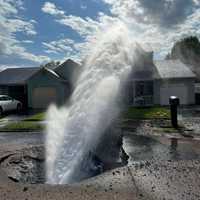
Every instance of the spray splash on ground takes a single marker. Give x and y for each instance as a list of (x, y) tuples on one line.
[(75, 130)]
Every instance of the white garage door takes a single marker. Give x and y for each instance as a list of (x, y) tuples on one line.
[(43, 96), (173, 90)]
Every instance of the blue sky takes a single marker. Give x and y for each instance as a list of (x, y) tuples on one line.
[(33, 32)]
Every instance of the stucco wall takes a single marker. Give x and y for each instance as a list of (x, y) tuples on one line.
[(45, 79)]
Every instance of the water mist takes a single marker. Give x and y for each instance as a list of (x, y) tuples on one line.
[(75, 130)]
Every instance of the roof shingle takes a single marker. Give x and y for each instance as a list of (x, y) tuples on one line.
[(173, 69), (18, 76)]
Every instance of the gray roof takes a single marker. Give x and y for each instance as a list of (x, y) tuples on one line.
[(173, 69), (18, 76)]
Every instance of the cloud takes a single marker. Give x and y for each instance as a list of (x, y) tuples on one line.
[(10, 24), (59, 46), (88, 28), (78, 24), (156, 24), (50, 8), (166, 13), (11, 47), (27, 41), (6, 8)]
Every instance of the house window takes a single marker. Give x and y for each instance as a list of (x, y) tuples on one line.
[(144, 88), (143, 93)]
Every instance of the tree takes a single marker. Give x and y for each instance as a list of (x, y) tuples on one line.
[(51, 65), (188, 51)]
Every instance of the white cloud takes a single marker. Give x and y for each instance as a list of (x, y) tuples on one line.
[(80, 25), (59, 46), (6, 8), (175, 22), (155, 24), (166, 13), (50, 8), (10, 24), (87, 28), (27, 41), (10, 47)]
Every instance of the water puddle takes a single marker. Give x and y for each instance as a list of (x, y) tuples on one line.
[(141, 148)]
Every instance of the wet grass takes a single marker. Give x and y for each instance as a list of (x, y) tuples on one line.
[(23, 126), (147, 113), (37, 117), (31, 123)]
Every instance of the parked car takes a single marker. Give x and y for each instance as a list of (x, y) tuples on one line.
[(7, 103)]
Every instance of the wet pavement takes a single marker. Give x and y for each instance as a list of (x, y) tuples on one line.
[(141, 148), (159, 167), (152, 180), (21, 138)]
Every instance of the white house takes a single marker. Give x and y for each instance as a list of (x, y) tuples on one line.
[(153, 82)]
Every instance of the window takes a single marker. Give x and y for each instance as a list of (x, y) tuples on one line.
[(144, 88), (8, 98), (5, 98)]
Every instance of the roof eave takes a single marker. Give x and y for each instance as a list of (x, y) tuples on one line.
[(167, 78)]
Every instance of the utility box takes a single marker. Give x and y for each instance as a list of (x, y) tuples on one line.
[(174, 103)]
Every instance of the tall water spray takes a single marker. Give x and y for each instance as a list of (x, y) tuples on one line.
[(76, 129)]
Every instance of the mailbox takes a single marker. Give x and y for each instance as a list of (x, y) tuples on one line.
[(174, 103), (173, 100)]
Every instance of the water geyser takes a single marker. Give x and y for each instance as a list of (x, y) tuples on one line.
[(75, 130)]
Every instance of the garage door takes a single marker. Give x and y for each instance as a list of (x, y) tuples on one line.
[(43, 96), (173, 90)]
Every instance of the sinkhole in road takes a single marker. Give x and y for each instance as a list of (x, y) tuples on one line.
[(117, 149)]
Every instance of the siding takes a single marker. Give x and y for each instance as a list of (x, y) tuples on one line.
[(187, 82), (45, 79), (156, 91)]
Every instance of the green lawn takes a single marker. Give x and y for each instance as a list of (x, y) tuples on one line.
[(36, 117), (32, 122), (29, 124), (22, 126), (147, 113)]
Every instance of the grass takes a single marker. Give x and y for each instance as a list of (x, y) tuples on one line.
[(147, 113), (37, 117), (32, 122), (29, 124), (22, 126)]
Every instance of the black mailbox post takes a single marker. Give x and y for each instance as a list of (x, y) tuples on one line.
[(174, 102)]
